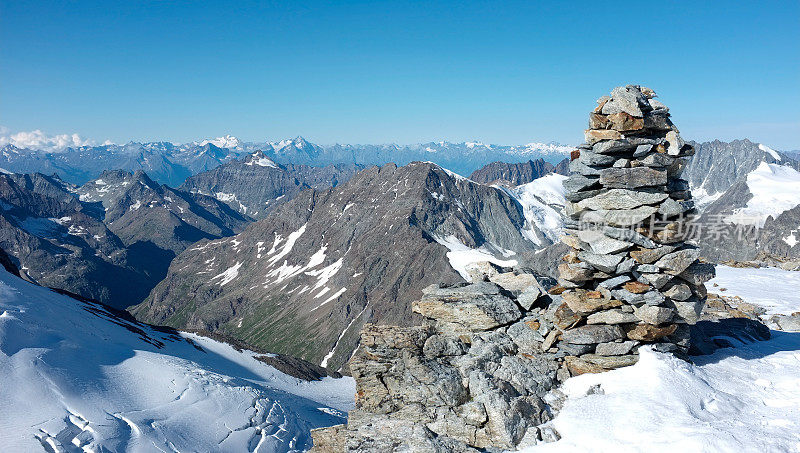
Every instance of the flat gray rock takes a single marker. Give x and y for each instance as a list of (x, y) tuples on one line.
[(619, 217), (601, 244), (631, 178), (593, 334), (676, 262), (622, 199), (611, 317), (652, 314), (605, 263), (615, 348)]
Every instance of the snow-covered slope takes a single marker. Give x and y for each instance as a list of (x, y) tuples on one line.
[(543, 201), (775, 189), (76, 377), (742, 399), (776, 290)]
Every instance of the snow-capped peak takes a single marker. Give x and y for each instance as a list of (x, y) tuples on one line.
[(775, 189), (544, 148), (471, 145), (228, 141), (298, 142), (260, 159)]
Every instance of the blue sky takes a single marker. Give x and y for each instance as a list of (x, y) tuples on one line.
[(376, 72)]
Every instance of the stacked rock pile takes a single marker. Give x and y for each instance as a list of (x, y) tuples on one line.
[(630, 278), (472, 378), (476, 374)]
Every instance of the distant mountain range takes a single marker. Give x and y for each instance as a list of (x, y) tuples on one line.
[(171, 164)]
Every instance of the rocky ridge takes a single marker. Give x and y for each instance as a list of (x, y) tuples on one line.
[(111, 239), (511, 175), (232, 182)]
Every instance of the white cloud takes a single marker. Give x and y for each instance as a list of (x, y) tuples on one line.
[(39, 140)]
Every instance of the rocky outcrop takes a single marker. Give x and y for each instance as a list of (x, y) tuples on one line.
[(471, 378), (630, 279), (511, 175)]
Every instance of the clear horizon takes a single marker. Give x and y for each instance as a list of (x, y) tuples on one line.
[(393, 73)]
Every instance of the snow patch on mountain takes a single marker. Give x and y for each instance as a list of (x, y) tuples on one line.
[(775, 189), (262, 162), (769, 151), (77, 377), (228, 275), (227, 141), (791, 239), (460, 255), (542, 201)]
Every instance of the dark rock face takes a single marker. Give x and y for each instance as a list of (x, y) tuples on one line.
[(255, 185), (510, 175), (306, 278), (109, 240)]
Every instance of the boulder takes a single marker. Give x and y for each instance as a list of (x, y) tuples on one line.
[(649, 256), (595, 135), (612, 283), (619, 217), (564, 317), (611, 317), (475, 307), (601, 244), (652, 314), (583, 302), (605, 263), (611, 362), (578, 366), (676, 262)]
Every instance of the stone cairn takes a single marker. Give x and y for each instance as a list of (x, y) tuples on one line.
[(479, 374), (630, 279)]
